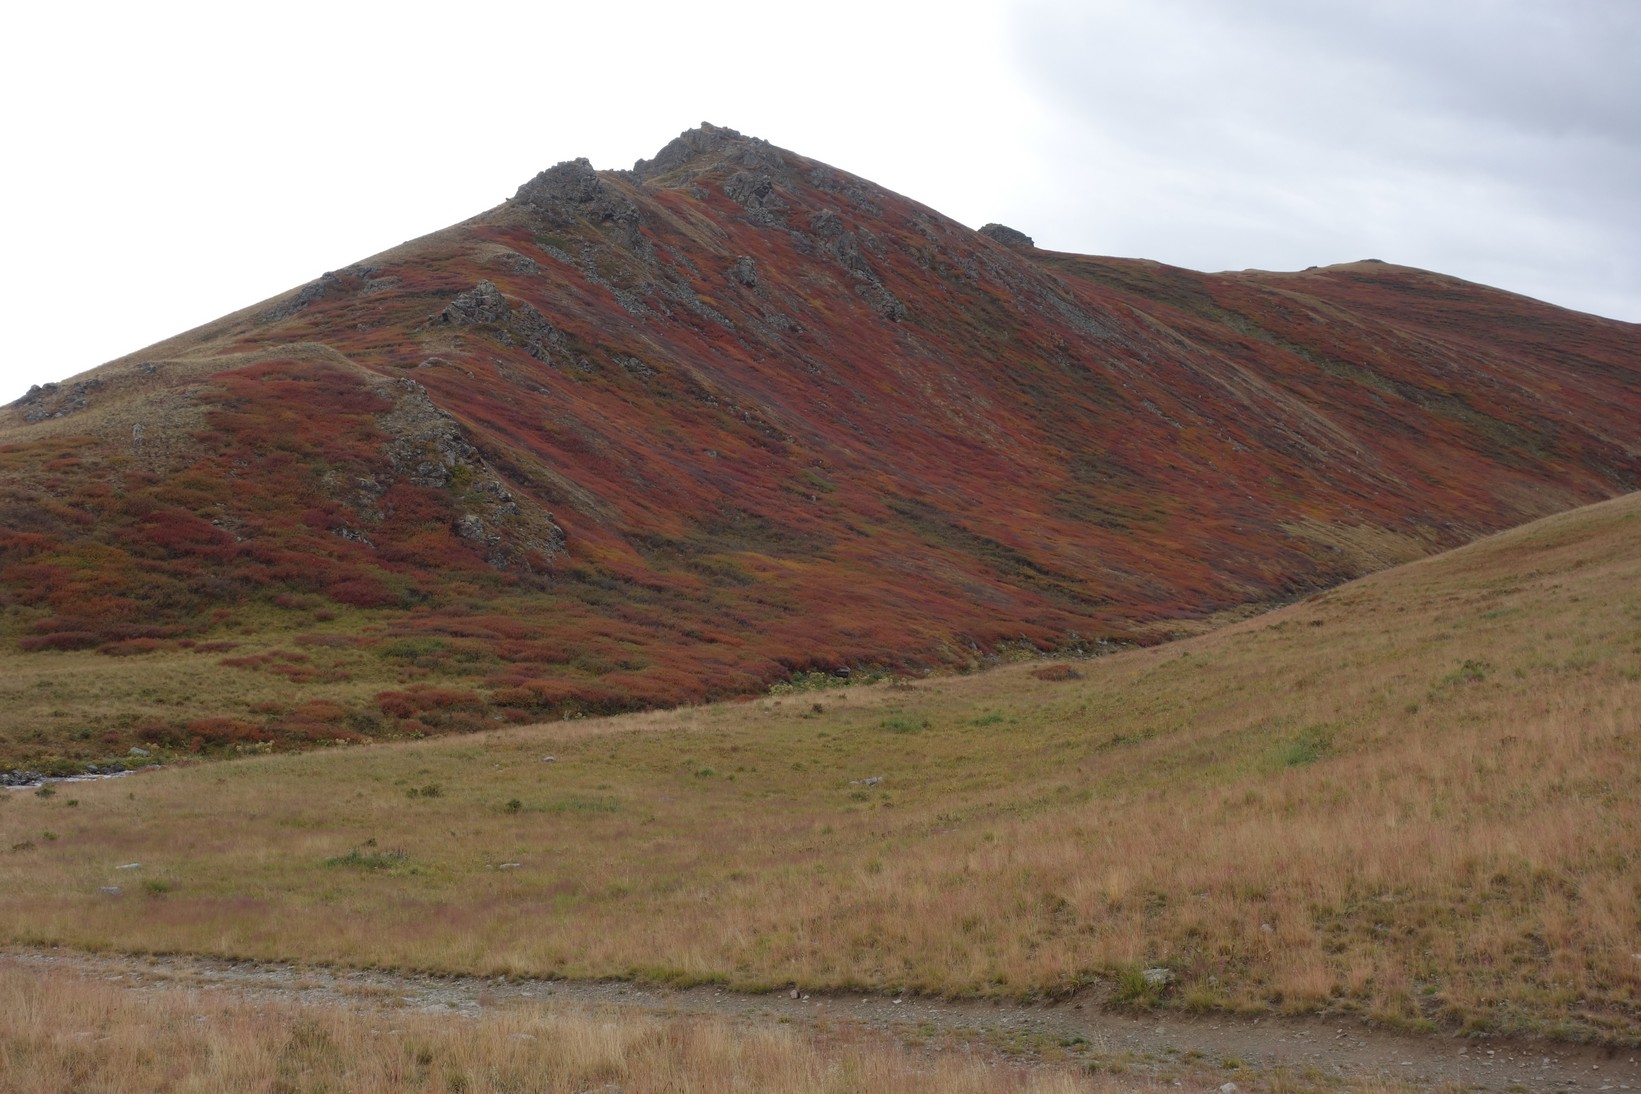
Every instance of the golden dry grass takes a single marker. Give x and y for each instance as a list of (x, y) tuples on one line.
[(71, 1034), (1413, 797)]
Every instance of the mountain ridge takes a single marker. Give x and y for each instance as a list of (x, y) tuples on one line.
[(686, 429)]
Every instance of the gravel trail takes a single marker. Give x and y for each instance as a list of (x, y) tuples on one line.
[(1162, 1045)]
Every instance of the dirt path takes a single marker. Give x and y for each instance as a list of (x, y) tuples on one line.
[(1336, 1050)]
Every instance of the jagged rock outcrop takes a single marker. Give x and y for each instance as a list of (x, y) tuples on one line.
[(708, 146), (572, 191), (1009, 237), (745, 271), (43, 401), (429, 448), (358, 278), (511, 324)]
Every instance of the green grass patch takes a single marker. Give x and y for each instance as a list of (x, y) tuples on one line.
[(361, 859)]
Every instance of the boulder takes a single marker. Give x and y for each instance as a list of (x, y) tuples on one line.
[(1008, 237)]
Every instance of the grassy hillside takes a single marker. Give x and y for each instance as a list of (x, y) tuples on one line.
[(1413, 798)]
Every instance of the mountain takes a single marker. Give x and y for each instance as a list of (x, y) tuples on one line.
[(650, 436)]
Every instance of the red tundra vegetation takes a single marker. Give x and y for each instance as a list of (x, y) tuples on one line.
[(663, 435)]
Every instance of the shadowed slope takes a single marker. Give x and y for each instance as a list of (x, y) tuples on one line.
[(648, 436)]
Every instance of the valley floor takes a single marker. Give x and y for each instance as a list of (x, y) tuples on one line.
[(1409, 804)]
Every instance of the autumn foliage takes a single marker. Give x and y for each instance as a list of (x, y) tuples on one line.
[(664, 436)]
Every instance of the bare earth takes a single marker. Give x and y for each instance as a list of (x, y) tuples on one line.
[(1156, 1046)]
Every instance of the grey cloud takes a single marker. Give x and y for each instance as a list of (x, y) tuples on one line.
[(1487, 139)]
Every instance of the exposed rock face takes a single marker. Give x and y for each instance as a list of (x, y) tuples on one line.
[(483, 303), (745, 271), (850, 250), (572, 191), (429, 448), (44, 401), (520, 324), (749, 190), (1009, 237), (757, 194), (513, 262), (569, 182), (357, 278), (720, 144)]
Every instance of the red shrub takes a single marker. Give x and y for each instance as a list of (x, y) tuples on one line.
[(307, 674), (332, 641), (130, 646), (177, 532), (311, 729), (61, 640), (515, 697), (226, 731), (361, 592), (21, 545), (396, 704), (425, 700)]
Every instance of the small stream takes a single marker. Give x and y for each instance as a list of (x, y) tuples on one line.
[(22, 779)]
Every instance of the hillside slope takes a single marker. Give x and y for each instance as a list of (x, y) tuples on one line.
[(1412, 799), (659, 435)]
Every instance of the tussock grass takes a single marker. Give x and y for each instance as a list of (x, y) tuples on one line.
[(1414, 797), (82, 1035)]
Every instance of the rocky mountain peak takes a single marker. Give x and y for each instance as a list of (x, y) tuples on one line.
[(710, 143)]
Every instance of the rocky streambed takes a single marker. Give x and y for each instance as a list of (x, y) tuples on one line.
[(24, 779)]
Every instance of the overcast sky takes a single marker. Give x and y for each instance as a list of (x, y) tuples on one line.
[(170, 162)]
